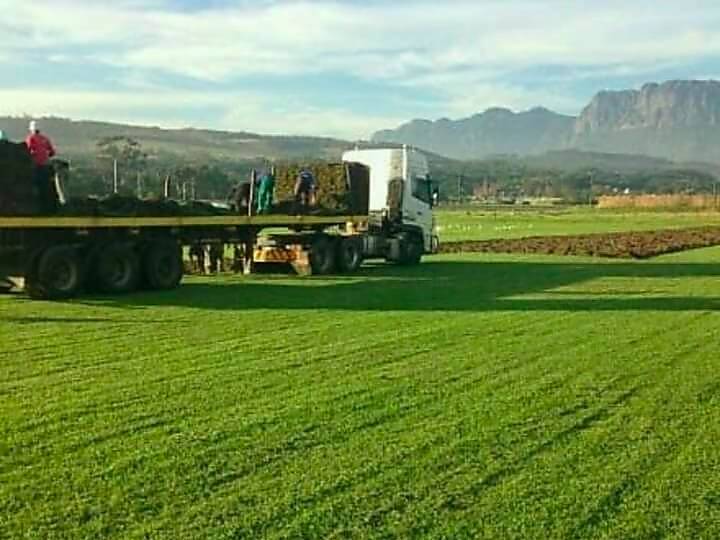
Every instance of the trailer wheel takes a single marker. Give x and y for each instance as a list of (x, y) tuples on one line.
[(349, 254), (58, 274), (322, 256), (6, 285), (411, 249), (117, 269), (163, 265)]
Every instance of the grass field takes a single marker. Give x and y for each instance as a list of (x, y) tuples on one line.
[(484, 224), (473, 396)]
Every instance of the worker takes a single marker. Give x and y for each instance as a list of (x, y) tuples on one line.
[(305, 187), (41, 150), (266, 191), (198, 252), (216, 256)]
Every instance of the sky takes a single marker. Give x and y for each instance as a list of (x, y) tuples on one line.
[(338, 68)]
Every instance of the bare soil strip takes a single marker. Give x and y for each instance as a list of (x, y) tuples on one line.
[(627, 245)]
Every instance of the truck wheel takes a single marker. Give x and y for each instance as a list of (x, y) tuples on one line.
[(58, 274), (117, 269), (349, 254), (163, 265), (322, 256), (411, 249)]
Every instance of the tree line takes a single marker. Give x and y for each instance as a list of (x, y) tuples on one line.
[(513, 179)]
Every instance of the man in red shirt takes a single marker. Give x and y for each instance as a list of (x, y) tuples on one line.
[(41, 150)]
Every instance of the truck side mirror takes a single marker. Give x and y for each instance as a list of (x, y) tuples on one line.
[(434, 196)]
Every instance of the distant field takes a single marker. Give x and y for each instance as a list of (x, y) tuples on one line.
[(473, 396), (480, 224)]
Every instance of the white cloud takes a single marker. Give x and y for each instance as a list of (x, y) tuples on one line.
[(117, 106), (261, 116), (462, 51), (69, 99), (243, 111), (374, 40)]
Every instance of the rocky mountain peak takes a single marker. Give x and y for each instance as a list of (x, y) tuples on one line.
[(674, 104)]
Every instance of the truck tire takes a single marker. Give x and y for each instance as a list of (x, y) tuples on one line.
[(322, 256), (349, 254), (162, 265), (116, 269), (411, 249), (57, 274)]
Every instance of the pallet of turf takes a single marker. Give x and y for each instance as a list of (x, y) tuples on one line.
[(341, 188)]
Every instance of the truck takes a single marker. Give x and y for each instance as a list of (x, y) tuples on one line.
[(59, 257)]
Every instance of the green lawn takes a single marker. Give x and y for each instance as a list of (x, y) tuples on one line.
[(473, 396), (483, 224)]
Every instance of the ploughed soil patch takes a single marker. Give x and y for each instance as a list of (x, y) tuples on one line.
[(627, 245)]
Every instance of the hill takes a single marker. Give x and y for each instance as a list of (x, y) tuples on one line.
[(219, 158), (78, 139)]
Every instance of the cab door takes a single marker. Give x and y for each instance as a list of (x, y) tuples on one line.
[(417, 205)]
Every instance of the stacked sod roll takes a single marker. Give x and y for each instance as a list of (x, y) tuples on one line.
[(16, 180), (341, 188)]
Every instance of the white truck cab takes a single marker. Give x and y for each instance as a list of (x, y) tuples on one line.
[(401, 226)]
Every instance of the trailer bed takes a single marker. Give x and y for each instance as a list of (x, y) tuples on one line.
[(94, 222)]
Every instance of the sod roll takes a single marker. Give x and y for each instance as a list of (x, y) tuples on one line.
[(16, 186)]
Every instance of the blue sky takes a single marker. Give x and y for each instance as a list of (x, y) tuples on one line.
[(338, 68)]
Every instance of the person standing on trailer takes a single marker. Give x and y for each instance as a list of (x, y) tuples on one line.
[(266, 192), (41, 150), (305, 188)]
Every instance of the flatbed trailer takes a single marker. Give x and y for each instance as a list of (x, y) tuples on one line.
[(59, 257)]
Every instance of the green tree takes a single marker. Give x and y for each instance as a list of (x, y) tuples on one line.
[(128, 161)]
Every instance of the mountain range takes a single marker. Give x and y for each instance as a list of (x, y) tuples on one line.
[(676, 120)]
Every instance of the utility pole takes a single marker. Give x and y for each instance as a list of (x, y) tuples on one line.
[(253, 180), (115, 176), (461, 188), (166, 186)]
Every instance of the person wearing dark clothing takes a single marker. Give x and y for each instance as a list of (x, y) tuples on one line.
[(41, 150), (239, 197), (305, 187)]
